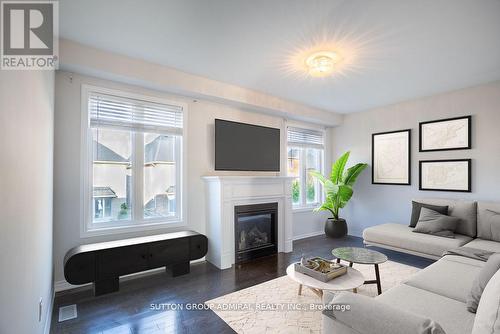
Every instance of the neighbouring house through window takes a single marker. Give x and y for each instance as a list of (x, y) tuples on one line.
[(135, 172), (305, 153)]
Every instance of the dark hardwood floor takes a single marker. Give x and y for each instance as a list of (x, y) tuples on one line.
[(129, 310)]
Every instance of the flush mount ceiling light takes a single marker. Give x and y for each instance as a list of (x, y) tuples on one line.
[(322, 63)]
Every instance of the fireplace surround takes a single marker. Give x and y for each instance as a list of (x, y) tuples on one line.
[(225, 193)]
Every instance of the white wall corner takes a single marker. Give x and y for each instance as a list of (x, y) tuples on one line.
[(48, 321)]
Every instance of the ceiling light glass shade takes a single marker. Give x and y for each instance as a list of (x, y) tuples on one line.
[(322, 63)]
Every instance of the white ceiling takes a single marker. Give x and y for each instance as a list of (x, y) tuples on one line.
[(393, 50)]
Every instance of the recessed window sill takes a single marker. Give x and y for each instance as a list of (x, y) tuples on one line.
[(308, 208), (94, 232)]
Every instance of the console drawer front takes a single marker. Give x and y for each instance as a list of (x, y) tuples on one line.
[(168, 252), (122, 261)]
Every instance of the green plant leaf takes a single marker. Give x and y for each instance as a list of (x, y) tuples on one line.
[(318, 176), (323, 207), (338, 168), (338, 189), (352, 173), (328, 205), (345, 193), (328, 187)]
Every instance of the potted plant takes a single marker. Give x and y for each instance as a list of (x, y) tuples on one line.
[(338, 191)]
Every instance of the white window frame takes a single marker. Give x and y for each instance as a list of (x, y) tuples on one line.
[(303, 205), (137, 221)]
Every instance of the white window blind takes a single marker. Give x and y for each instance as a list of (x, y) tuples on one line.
[(134, 114), (305, 138)]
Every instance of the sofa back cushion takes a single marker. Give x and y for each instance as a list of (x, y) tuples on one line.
[(488, 221), (488, 312), (466, 211), (481, 281)]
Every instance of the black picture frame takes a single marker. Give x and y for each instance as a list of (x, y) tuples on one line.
[(469, 134), (408, 131), (469, 175)]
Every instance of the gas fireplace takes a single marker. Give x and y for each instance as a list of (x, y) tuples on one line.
[(255, 230)]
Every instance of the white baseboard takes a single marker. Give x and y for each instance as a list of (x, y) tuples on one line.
[(64, 285), (48, 321), (308, 235)]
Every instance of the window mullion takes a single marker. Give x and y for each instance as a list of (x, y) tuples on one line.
[(322, 196), (178, 176), (138, 177), (303, 173), (90, 179)]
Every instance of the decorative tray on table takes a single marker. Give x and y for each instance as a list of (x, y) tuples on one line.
[(320, 269)]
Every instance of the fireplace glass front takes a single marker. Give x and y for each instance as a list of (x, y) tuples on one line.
[(255, 230)]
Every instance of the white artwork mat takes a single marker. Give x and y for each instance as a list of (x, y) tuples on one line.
[(390, 158), (445, 175), (445, 135)]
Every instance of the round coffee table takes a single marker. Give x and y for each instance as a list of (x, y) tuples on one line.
[(349, 281), (362, 256)]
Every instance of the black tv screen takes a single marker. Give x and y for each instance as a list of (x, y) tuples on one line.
[(246, 147)]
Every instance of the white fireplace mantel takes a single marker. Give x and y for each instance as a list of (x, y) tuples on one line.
[(223, 193)]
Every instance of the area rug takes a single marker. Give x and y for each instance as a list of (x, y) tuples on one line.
[(275, 306)]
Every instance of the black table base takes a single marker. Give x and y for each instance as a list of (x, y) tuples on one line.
[(374, 281)]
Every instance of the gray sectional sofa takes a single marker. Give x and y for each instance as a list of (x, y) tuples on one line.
[(473, 231), (435, 297)]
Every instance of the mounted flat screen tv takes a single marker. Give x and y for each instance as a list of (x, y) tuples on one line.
[(246, 147)]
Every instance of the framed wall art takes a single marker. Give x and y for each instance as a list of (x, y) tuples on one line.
[(445, 175), (445, 134), (391, 153)]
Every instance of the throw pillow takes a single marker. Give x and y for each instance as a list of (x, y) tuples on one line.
[(432, 222), (494, 222), (416, 207), (483, 277)]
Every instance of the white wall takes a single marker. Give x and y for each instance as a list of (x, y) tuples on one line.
[(200, 161), (377, 204), (26, 150), (86, 60)]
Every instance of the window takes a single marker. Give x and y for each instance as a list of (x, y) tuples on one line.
[(134, 160), (305, 153), (102, 208)]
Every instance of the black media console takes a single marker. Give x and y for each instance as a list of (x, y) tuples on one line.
[(103, 263)]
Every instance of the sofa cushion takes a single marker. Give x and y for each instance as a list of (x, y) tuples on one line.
[(401, 236), (465, 210), (447, 278), (465, 260), (416, 207), (488, 311), (449, 313), (368, 315), (487, 245), (488, 221), (330, 325), (435, 223), (481, 280)]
